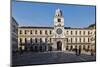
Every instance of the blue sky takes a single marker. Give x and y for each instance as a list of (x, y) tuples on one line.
[(41, 14)]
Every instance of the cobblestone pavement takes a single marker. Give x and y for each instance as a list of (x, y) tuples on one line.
[(32, 58)]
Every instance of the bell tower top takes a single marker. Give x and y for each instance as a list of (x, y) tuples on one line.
[(58, 12)]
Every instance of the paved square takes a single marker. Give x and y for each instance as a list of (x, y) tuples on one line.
[(32, 58)]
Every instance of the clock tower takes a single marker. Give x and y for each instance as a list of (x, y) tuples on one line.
[(59, 31), (59, 24)]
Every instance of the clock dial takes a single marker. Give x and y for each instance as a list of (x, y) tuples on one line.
[(59, 31)]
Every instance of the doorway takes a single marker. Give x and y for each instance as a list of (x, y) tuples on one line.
[(59, 45)]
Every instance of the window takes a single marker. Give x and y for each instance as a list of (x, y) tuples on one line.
[(71, 40), (84, 32), (80, 40), (40, 32), (25, 31), (71, 32), (35, 31), (20, 40), (67, 40), (76, 32), (31, 40), (35, 40), (45, 31), (76, 40), (67, 32), (45, 39), (59, 20), (88, 40), (20, 31), (84, 40), (88, 32), (50, 40), (50, 32), (40, 40), (25, 40), (31, 32), (80, 32)]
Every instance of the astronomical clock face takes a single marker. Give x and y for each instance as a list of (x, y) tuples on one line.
[(59, 31)]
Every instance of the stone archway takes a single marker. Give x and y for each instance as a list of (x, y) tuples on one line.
[(59, 45)]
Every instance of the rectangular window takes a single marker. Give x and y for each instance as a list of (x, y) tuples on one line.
[(59, 20), (83, 32), (76, 40), (88, 40), (31, 32), (35, 40), (88, 32), (46, 32), (45, 39), (20, 31), (80, 32), (25, 40), (35, 31), (71, 40), (40, 32), (84, 40), (67, 40), (31, 40), (67, 32), (20, 40), (80, 40), (71, 32), (50, 40), (50, 32), (40, 40), (25, 32), (76, 32)]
